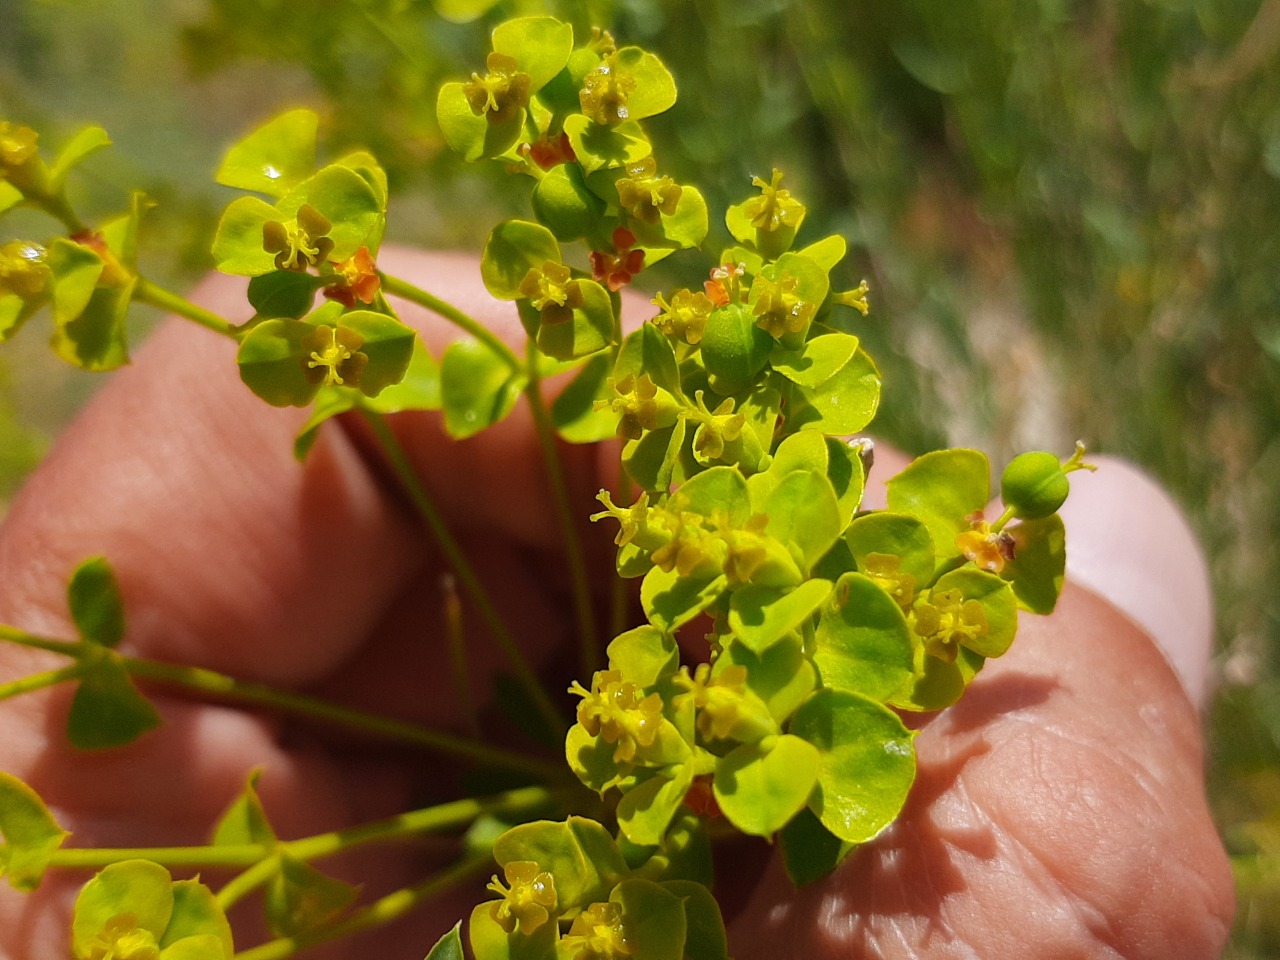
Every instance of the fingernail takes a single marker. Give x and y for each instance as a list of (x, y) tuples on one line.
[(1128, 542)]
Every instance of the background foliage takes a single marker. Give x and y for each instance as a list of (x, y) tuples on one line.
[(1067, 210)]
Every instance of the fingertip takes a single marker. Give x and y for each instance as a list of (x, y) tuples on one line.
[(1128, 542)]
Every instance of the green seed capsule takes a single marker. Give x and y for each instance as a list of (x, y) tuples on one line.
[(1034, 485), (734, 349), (562, 201)]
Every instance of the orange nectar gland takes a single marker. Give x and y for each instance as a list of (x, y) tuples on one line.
[(614, 710), (645, 195), (357, 279), (605, 92), (333, 356), (616, 270), (501, 93), (547, 153), (300, 244), (598, 933), (552, 291), (778, 310), (775, 207), (122, 939), (725, 285), (18, 144), (945, 620), (22, 269), (989, 551), (685, 317), (114, 272), (527, 900)]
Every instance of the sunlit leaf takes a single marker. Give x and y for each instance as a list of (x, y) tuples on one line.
[(31, 835), (862, 643), (867, 762), (274, 158), (942, 489), (138, 888), (761, 616), (760, 786)]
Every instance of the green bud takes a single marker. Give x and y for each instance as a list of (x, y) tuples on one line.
[(1034, 485), (734, 349)]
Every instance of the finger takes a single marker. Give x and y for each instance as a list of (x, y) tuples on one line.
[(1058, 811)]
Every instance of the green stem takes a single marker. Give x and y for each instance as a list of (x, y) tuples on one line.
[(94, 858), (381, 911), (220, 685), (1003, 520), (67, 648), (407, 291), (147, 292), (588, 635), (39, 681), (462, 568), (229, 688)]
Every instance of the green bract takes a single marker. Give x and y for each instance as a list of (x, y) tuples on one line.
[(30, 834), (135, 908)]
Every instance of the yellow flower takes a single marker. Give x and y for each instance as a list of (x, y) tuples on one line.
[(645, 195), (598, 933), (501, 93), (552, 290), (605, 92), (527, 900), (22, 269), (616, 710), (775, 207)]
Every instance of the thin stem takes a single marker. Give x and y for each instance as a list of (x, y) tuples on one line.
[(381, 911), (588, 635), (38, 681), (1003, 520), (147, 292), (427, 820), (243, 884), (67, 648), (452, 604), (429, 513), (221, 685), (93, 858), (407, 291)]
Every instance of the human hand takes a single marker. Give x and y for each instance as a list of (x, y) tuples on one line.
[(1058, 812)]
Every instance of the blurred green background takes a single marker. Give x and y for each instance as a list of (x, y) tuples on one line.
[(1069, 212)]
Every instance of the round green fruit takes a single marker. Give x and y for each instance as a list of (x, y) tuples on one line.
[(562, 201), (734, 349), (1034, 485)]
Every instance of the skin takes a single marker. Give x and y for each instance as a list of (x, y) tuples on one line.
[(1059, 809)]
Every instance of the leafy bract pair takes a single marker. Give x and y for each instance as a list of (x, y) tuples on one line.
[(316, 230), (134, 908), (568, 890)]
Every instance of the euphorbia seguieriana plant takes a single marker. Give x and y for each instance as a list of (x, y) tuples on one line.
[(817, 623)]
